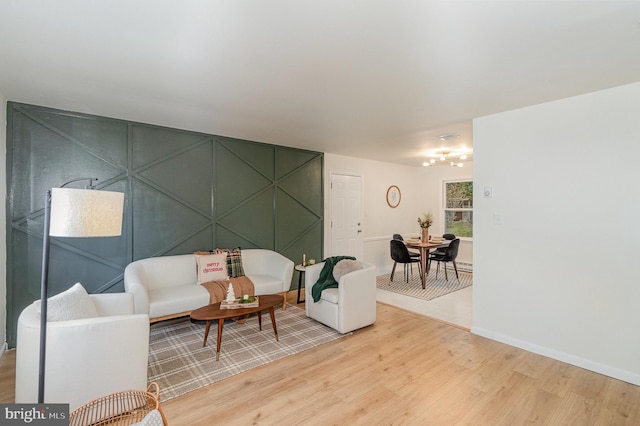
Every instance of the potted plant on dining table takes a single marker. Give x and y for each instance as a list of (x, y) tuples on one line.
[(425, 222)]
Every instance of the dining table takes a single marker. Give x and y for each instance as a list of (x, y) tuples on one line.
[(424, 248)]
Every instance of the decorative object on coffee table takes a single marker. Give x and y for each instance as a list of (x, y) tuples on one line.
[(231, 295), (244, 302)]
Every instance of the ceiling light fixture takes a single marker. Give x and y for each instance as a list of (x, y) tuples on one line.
[(446, 158), (448, 137)]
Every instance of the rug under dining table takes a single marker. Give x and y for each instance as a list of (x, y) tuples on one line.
[(434, 287)]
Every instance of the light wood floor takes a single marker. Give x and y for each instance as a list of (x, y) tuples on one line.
[(406, 369)]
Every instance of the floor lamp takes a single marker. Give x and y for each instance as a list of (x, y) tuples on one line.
[(74, 213)]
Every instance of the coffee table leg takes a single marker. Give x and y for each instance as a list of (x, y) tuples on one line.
[(260, 320), (206, 334), (220, 324), (273, 321)]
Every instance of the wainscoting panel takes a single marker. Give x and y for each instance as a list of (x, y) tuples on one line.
[(184, 191)]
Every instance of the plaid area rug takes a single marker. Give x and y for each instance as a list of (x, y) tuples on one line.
[(434, 287), (179, 363)]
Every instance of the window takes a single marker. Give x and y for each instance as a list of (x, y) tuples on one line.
[(458, 208)]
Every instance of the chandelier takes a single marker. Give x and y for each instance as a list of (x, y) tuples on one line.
[(446, 158)]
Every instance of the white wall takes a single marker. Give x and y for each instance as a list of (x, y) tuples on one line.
[(559, 275), (421, 190), (3, 223)]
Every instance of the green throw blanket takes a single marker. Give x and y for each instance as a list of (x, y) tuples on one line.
[(326, 280)]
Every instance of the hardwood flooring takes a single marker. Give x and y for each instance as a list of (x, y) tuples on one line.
[(406, 369)]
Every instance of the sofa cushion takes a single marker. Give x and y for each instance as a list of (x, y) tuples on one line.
[(330, 295), (212, 267), (72, 304), (265, 284), (345, 266), (173, 300), (234, 261)]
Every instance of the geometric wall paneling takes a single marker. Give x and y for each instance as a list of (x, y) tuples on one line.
[(186, 175), (202, 240), (289, 159), (257, 155), (258, 211), (307, 244), (236, 180), (40, 148), (160, 221), (184, 191), (304, 183), (96, 275), (151, 143), (293, 221), (49, 145), (107, 139), (226, 238)]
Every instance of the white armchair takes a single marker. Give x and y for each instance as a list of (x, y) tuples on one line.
[(350, 306), (85, 358)]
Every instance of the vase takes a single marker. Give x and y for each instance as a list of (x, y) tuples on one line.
[(425, 235)]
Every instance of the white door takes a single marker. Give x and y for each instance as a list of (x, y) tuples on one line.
[(346, 216)]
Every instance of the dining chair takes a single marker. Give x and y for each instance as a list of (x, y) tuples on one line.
[(400, 254), (412, 253), (448, 254), (440, 250)]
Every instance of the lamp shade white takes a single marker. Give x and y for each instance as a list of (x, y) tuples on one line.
[(86, 213)]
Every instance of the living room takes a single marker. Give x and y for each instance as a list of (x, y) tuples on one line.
[(562, 185)]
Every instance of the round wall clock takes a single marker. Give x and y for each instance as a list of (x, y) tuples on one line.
[(393, 196)]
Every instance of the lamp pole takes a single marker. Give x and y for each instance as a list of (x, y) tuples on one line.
[(44, 284)]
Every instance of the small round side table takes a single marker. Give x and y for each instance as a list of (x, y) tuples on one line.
[(300, 270)]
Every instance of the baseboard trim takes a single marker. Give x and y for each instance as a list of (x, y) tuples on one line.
[(607, 370)]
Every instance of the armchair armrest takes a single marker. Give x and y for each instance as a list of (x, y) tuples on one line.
[(357, 289), (311, 275), (109, 304), (268, 262), (134, 284)]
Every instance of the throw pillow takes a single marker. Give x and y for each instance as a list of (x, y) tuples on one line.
[(344, 267), (234, 262), (212, 267), (71, 304), (154, 418)]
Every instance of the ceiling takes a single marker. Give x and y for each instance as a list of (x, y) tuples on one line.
[(374, 79)]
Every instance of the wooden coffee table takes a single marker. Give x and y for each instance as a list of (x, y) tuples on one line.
[(213, 312)]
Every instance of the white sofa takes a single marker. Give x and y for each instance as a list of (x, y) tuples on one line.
[(85, 358), (350, 306), (166, 287)]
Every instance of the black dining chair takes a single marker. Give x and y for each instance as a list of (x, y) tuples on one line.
[(400, 254), (448, 254), (440, 250), (411, 252)]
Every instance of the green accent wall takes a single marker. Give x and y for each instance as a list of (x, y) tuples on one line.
[(184, 191)]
